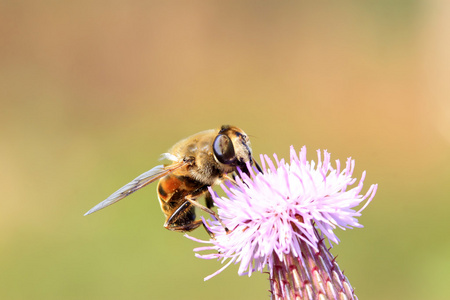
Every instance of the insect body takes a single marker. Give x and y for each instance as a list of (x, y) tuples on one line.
[(199, 161)]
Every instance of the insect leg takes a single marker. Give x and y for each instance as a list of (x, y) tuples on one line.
[(209, 211), (230, 179), (209, 200), (186, 227), (210, 233), (258, 167), (183, 219)]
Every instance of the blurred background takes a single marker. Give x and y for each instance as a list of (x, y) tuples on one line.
[(92, 92)]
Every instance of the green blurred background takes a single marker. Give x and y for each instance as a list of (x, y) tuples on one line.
[(92, 92)]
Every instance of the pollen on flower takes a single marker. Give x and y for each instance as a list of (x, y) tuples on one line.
[(277, 212)]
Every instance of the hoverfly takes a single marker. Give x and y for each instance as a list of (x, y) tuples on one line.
[(199, 161)]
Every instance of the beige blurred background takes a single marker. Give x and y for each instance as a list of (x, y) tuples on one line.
[(92, 92)]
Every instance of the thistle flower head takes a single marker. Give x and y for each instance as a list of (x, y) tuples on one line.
[(280, 210)]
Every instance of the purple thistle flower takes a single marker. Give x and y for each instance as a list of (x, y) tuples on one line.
[(275, 218)]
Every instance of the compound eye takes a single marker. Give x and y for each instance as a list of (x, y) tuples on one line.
[(224, 150)]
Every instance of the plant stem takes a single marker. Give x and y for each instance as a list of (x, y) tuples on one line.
[(314, 275)]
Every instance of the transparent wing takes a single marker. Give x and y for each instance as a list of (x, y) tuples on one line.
[(136, 184)]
